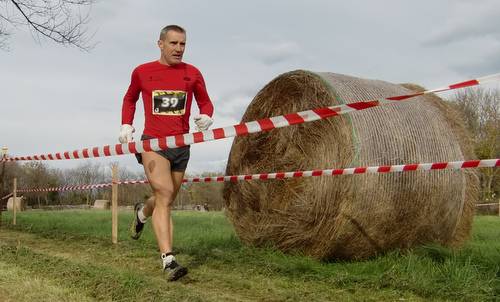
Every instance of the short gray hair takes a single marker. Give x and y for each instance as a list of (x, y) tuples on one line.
[(168, 28)]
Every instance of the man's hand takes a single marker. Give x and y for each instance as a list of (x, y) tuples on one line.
[(203, 122), (126, 133)]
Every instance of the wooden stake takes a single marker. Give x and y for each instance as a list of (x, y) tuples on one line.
[(14, 201), (114, 205)]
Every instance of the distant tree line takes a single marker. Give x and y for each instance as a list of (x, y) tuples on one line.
[(36, 174)]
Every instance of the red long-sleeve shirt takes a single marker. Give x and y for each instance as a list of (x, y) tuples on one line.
[(167, 94)]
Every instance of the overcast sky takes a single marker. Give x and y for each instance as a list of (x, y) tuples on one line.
[(55, 98)]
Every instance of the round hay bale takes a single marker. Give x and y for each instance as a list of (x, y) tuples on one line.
[(101, 204), (20, 204), (352, 216)]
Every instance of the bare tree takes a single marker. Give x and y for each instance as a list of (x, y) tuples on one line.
[(481, 109), (86, 173), (32, 175), (62, 21), (9, 171)]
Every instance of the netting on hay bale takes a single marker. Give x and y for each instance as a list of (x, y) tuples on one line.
[(352, 216)]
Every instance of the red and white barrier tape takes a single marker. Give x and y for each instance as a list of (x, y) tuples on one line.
[(296, 174), (359, 170), (487, 204), (66, 188), (132, 182), (83, 187), (242, 129)]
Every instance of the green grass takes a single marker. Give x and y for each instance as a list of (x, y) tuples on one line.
[(71, 252)]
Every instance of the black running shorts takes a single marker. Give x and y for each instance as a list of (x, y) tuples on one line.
[(177, 157)]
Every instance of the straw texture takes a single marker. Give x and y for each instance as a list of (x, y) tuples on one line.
[(355, 216)]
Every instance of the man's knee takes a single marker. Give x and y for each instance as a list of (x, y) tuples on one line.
[(164, 196)]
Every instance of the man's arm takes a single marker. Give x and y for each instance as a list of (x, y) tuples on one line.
[(202, 99), (204, 120), (130, 99), (128, 108)]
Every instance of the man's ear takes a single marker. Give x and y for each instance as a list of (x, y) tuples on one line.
[(160, 44)]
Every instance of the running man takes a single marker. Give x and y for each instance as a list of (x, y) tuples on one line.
[(167, 87)]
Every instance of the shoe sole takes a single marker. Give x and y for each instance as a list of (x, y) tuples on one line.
[(132, 232), (181, 272)]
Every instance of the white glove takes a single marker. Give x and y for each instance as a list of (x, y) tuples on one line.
[(203, 122), (126, 133)]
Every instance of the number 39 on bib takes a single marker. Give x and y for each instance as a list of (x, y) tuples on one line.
[(169, 102)]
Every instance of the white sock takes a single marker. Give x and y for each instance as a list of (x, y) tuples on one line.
[(167, 258), (141, 215)]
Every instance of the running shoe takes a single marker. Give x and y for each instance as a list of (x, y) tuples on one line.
[(174, 271), (136, 226)]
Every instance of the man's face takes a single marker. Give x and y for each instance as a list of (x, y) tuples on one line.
[(172, 47)]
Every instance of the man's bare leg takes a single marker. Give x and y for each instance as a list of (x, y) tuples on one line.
[(177, 180), (149, 205), (158, 172), (165, 185)]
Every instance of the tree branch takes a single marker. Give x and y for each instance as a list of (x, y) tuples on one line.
[(58, 20)]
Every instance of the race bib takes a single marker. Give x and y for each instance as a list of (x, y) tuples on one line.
[(169, 102)]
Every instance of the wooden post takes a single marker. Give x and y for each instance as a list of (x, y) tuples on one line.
[(14, 196), (3, 154), (114, 204)]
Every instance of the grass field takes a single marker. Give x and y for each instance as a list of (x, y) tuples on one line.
[(68, 256)]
